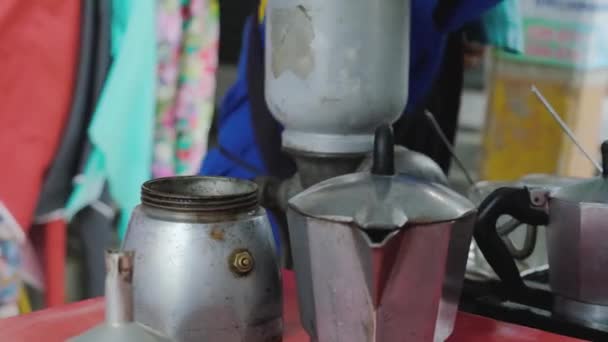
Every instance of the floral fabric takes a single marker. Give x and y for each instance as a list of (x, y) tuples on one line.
[(188, 40), (10, 262)]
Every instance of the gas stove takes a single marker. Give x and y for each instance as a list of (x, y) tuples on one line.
[(492, 299), (484, 294)]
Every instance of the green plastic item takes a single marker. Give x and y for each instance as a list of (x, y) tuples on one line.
[(504, 26), (122, 127)]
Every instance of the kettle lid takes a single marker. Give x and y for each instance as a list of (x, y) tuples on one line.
[(381, 199), (594, 190)]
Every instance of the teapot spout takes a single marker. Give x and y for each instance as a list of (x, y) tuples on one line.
[(384, 256)]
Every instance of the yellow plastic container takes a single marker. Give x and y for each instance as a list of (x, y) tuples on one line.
[(520, 137)]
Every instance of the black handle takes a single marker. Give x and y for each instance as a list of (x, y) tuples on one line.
[(384, 151), (515, 202), (605, 159)]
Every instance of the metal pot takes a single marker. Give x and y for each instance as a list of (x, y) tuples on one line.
[(575, 216), (411, 163), (207, 267), (379, 256), (526, 243), (330, 79)]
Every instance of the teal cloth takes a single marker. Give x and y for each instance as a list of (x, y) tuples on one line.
[(504, 26), (122, 127)]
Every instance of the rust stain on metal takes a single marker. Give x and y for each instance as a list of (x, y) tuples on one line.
[(217, 234)]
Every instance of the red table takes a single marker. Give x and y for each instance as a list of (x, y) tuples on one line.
[(60, 323)]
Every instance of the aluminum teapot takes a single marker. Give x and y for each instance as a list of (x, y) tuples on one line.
[(379, 256), (576, 217)]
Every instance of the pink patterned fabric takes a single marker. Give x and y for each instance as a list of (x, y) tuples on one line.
[(188, 41)]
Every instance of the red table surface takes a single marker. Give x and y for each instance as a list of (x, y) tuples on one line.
[(58, 324)]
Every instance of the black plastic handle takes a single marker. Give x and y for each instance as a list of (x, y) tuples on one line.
[(515, 202), (384, 151)]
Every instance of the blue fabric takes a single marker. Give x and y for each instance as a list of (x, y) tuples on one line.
[(427, 41), (426, 47), (234, 126)]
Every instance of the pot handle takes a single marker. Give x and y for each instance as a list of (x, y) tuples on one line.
[(517, 203)]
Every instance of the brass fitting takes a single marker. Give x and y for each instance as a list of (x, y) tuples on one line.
[(241, 262)]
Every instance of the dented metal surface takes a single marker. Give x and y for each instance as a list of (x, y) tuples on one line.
[(292, 45), (332, 73)]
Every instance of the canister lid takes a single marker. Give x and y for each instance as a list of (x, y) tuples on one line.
[(381, 199), (594, 190)]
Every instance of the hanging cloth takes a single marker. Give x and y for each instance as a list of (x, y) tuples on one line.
[(504, 26), (188, 40), (92, 69), (38, 63), (122, 126), (169, 34), (94, 225)]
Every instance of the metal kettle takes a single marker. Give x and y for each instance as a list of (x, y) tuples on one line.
[(526, 243), (576, 217), (379, 256)]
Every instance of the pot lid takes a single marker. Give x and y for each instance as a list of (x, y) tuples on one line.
[(594, 190), (411, 163), (381, 200)]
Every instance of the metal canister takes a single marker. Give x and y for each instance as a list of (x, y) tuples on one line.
[(332, 80), (207, 266)]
